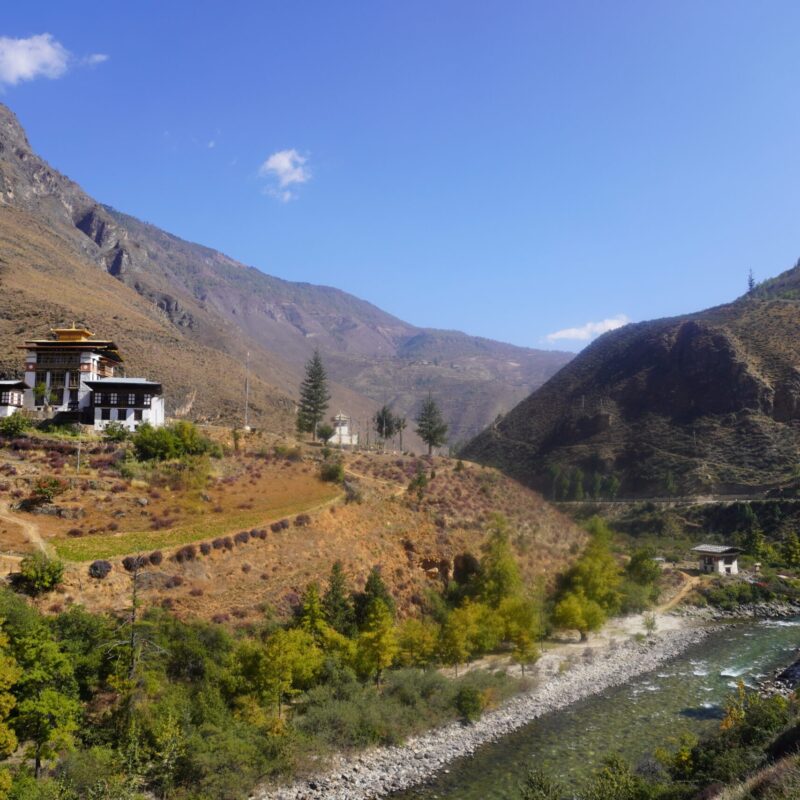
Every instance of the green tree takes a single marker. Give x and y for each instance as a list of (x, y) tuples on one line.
[(521, 618), (312, 615), (755, 543), (314, 396), (385, 422), (10, 672), (643, 568), (791, 549), (611, 486), (401, 424), (337, 604), (15, 425), (325, 432), (576, 490), (377, 644), (500, 576), (417, 641), (374, 589), (431, 427), (48, 721), (540, 786), (615, 780), (454, 640), (40, 574), (575, 610)]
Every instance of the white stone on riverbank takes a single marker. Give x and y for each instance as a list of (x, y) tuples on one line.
[(377, 772)]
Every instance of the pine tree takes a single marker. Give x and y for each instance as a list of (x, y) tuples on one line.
[(336, 603), (314, 396), (374, 589), (386, 423), (431, 427), (791, 550), (377, 645), (751, 282)]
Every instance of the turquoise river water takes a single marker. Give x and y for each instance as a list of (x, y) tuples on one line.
[(685, 694)]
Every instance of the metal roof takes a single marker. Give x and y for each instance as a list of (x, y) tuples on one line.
[(127, 381), (716, 549), (15, 384)]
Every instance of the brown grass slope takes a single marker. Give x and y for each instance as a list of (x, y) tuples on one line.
[(219, 303), (707, 401)]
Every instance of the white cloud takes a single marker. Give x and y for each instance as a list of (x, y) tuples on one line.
[(26, 59), (285, 169), (211, 145), (96, 58), (589, 330)]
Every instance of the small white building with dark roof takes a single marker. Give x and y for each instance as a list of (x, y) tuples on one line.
[(128, 401), (12, 396), (718, 558)]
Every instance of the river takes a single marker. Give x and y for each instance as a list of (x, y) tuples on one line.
[(686, 694)]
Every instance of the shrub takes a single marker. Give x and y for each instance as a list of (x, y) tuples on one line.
[(156, 557), (134, 563), (302, 520), (246, 568), (275, 527), (173, 582), (205, 548), (46, 489), (227, 543), (99, 569), (260, 533), (115, 432), (243, 537), (39, 573), (469, 703), (75, 532), (15, 425), (332, 471), (172, 441), (186, 553), (218, 544)]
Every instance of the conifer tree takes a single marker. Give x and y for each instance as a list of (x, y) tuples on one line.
[(791, 550), (377, 645), (385, 423), (337, 604), (314, 396), (374, 589), (431, 427)]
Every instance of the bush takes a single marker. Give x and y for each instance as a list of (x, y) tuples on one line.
[(205, 548), (99, 569), (39, 573), (186, 553), (469, 703), (302, 520), (46, 489), (218, 543), (15, 425), (115, 432), (332, 471), (243, 537), (172, 441), (156, 557), (134, 563)]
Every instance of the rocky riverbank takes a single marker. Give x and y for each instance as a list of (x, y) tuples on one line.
[(775, 609), (379, 772)]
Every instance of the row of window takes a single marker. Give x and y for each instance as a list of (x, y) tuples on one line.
[(116, 399), (10, 398), (122, 413)]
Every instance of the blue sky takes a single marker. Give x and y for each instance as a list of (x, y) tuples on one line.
[(510, 169)]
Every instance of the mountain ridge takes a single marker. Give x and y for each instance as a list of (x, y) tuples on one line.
[(218, 302), (706, 402)]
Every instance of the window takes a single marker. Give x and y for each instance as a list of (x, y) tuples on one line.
[(112, 398), (5, 399), (137, 415), (99, 398), (105, 413), (147, 400), (131, 399), (122, 414)]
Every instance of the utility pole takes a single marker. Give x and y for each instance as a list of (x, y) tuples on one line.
[(247, 392)]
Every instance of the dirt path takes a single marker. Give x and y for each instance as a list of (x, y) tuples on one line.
[(689, 584), (30, 530)]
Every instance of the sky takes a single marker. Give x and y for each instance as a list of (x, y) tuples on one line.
[(532, 172)]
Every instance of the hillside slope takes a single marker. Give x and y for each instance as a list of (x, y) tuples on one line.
[(213, 301), (707, 402)]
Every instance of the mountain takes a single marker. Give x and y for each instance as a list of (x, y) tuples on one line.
[(213, 310), (702, 403)]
